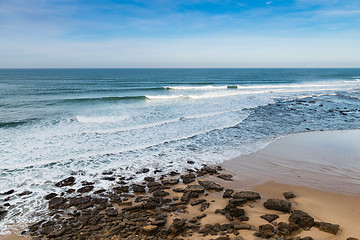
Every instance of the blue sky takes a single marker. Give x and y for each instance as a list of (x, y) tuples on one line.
[(184, 33)]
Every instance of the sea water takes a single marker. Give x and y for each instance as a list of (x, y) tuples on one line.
[(58, 122)]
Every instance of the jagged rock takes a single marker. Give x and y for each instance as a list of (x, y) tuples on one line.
[(85, 189), (306, 238), (228, 193), (121, 189), (86, 183), (57, 232), (188, 180), (2, 213), (150, 229), (111, 212), (178, 189), (327, 227), (160, 193), (208, 169), (194, 188), (177, 226), (269, 217), (201, 216), (108, 178), (145, 170), (56, 202), (8, 192), (50, 196), (266, 231), (278, 204), (289, 195), (172, 181), (302, 219), (239, 226), (66, 182), (24, 193), (237, 202), (149, 179), (138, 188), (197, 202), (210, 185), (224, 176), (204, 206), (248, 195), (190, 162), (285, 229)]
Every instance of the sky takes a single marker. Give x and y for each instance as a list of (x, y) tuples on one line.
[(183, 33)]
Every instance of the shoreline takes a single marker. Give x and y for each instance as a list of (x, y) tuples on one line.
[(328, 205)]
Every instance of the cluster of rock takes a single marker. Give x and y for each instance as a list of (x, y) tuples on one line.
[(145, 211)]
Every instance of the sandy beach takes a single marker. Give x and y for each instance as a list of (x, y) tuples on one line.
[(306, 164)]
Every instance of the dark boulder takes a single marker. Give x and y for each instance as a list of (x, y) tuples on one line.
[(228, 193), (85, 189), (289, 195), (66, 182), (138, 188), (302, 219), (266, 231), (197, 202), (269, 217), (121, 189), (224, 176), (210, 185), (56, 202), (3, 212), (172, 181), (24, 193), (248, 195), (8, 192), (50, 196), (278, 204), (327, 227), (194, 188), (149, 179), (160, 193)]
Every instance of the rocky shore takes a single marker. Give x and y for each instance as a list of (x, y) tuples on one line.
[(193, 205)]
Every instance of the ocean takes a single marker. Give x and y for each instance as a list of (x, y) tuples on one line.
[(58, 122)]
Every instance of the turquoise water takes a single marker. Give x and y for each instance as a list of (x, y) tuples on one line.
[(54, 122)]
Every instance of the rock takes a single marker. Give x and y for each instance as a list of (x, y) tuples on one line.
[(177, 226), (66, 182), (240, 226), (111, 212), (327, 227), (306, 238), (24, 193), (138, 188), (85, 189), (190, 162), (278, 204), (208, 169), (57, 232), (210, 185), (86, 183), (201, 216), (8, 192), (204, 206), (2, 213), (227, 177), (302, 219), (269, 217), (188, 180), (107, 172), (285, 229), (150, 229), (228, 193), (172, 181), (56, 202), (149, 179), (145, 170), (352, 238), (237, 202), (178, 189), (50, 196), (266, 231), (289, 195), (194, 188), (108, 178), (248, 195), (121, 189), (160, 193), (197, 202)]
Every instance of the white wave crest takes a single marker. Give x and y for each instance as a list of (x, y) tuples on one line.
[(208, 87), (101, 119)]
